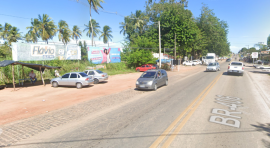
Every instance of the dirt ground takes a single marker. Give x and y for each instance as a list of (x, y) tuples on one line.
[(31, 100)]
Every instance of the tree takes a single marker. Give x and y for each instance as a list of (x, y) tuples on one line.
[(95, 26), (64, 33), (83, 50), (106, 34), (47, 28), (5, 31), (33, 33), (76, 33), (14, 35), (95, 4)]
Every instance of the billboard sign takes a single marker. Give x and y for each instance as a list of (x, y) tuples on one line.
[(254, 55), (39, 52), (99, 55)]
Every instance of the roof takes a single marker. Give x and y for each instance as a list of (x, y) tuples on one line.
[(30, 65)]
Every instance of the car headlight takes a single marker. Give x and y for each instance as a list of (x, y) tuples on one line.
[(150, 83), (137, 82)]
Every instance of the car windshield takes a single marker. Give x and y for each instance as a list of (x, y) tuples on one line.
[(209, 57), (83, 74), (236, 64), (212, 64), (98, 71), (148, 74)]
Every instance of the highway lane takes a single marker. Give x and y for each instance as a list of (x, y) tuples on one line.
[(144, 121)]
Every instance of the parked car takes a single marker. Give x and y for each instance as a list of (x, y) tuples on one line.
[(98, 75), (236, 68), (146, 67), (152, 79), (228, 60), (213, 67), (197, 62), (78, 79), (190, 63)]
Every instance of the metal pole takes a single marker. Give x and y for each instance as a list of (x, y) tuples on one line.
[(13, 76), (159, 44), (41, 76), (175, 46)]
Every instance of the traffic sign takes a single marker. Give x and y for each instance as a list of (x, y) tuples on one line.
[(254, 55)]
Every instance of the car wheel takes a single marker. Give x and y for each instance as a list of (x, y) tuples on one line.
[(96, 81), (55, 84), (216, 70), (138, 70), (166, 83), (242, 74), (79, 85), (155, 87)]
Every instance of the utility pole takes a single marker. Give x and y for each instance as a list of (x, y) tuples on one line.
[(159, 44), (260, 43), (175, 46)]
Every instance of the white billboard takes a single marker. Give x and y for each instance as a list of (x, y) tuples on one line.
[(40, 52), (254, 54)]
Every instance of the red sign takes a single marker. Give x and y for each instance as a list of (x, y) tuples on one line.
[(96, 58), (95, 52)]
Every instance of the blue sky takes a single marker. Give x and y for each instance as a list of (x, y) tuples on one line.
[(247, 19)]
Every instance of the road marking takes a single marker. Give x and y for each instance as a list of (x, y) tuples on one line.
[(1, 131), (190, 108)]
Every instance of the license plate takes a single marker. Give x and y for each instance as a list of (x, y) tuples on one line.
[(235, 71), (142, 85)]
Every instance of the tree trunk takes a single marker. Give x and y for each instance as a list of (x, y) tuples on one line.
[(91, 25), (13, 77)]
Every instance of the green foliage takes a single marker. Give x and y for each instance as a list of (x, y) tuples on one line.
[(106, 34), (165, 67), (5, 50), (140, 57)]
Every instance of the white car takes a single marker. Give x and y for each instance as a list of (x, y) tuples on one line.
[(190, 63), (236, 68), (197, 62)]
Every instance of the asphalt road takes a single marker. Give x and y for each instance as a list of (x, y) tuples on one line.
[(207, 109)]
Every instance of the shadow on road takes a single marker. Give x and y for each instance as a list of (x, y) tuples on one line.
[(227, 74), (260, 72), (265, 128)]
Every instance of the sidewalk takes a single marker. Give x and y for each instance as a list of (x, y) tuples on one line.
[(32, 100), (261, 79)]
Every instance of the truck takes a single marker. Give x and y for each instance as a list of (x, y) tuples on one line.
[(210, 58)]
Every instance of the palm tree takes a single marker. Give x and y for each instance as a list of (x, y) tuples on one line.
[(64, 33), (47, 28), (76, 33), (95, 26), (139, 20), (95, 4), (106, 34), (124, 25), (14, 35), (5, 30), (33, 33), (1, 29)]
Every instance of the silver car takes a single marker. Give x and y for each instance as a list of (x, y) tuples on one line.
[(98, 75), (213, 67), (152, 79), (78, 79)]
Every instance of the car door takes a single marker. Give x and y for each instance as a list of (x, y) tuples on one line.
[(64, 79), (72, 79), (147, 67), (143, 68), (159, 78)]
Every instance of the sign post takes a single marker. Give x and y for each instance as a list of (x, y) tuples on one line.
[(254, 55)]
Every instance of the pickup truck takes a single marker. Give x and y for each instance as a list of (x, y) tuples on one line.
[(236, 68)]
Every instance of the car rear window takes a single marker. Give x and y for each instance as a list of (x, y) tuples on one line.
[(240, 64), (98, 71), (83, 74), (212, 64), (148, 75)]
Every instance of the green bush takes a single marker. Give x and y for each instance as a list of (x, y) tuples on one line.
[(165, 67)]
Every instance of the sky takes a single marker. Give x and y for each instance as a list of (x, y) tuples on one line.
[(247, 19)]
